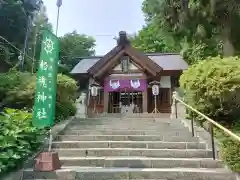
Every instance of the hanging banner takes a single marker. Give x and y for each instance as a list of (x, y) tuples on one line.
[(129, 85), (46, 82)]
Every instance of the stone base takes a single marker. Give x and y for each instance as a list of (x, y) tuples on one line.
[(47, 162)]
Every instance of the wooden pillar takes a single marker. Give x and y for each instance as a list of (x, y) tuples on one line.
[(145, 101), (105, 101)]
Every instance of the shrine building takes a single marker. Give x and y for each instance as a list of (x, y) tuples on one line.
[(124, 78)]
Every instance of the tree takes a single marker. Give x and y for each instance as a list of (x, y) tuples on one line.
[(73, 45), (212, 87), (13, 19), (40, 23), (152, 39), (210, 26)]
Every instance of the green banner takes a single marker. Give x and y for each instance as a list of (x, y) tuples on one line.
[(46, 82)]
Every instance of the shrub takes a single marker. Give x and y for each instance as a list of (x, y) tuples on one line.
[(10, 81), (18, 138), (18, 89), (230, 148), (65, 109), (212, 87), (230, 152)]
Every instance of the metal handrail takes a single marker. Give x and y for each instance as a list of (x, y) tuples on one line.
[(212, 122)]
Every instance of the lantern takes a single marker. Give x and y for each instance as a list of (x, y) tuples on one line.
[(155, 90), (94, 91)]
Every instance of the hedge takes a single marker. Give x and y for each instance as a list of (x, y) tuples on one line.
[(18, 139), (212, 86), (17, 91), (230, 148)]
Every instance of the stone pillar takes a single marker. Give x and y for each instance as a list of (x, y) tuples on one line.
[(105, 101), (173, 109), (81, 106), (145, 101)]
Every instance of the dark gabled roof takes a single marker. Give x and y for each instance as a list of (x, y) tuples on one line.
[(123, 47), (152, 63), (147, 62), (168, 61), (104, 59)]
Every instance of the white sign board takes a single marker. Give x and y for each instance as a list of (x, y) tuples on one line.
[(94, 91), (165, 82), (155, 90)]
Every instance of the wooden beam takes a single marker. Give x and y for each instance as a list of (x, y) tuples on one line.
[(109, 64), (105, 101), (145, 101), (140, 61)]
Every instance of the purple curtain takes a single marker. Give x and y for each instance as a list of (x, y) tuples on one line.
[(129, 85)]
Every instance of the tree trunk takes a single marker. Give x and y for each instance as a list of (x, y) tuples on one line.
[(228, 48)]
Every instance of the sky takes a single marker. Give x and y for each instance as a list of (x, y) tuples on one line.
[(102, 19)]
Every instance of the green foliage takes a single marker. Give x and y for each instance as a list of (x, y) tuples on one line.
[(151, 39), (75, 45), (65, 109), (17, 90), (230, 152), (66, 96), (18, 138), (212, 87), (35, 39), (230, 148), (13, 20), (198, 51), (201, 28)]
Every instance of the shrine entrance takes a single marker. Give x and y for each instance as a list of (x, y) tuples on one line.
[(125, 95), (130, 101)]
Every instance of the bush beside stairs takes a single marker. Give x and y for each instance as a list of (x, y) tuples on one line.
[(110, 148)]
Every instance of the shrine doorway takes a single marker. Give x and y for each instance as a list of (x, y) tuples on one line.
[(125, 95), (125, 99)]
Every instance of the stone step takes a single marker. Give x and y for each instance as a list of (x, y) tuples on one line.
[(141, 162), (129, 144), (134, 115), (126, 138), (93, 173), (116, 119), (127, 132), (127, 121), (128, 127), (146, 119), (164, 153), (127, 124), (155, 129)]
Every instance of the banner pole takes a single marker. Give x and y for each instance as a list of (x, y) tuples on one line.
[(50, 140), (155, 103)]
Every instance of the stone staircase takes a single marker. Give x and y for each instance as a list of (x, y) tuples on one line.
[(132, 148)]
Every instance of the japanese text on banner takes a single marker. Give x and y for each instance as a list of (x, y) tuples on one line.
[(45, 95)]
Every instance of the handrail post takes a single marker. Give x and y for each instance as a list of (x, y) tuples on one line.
[(212, 141), (176, 110), (192, 124)]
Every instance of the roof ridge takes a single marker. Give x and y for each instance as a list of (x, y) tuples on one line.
[(147, 54), (160, 54)]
